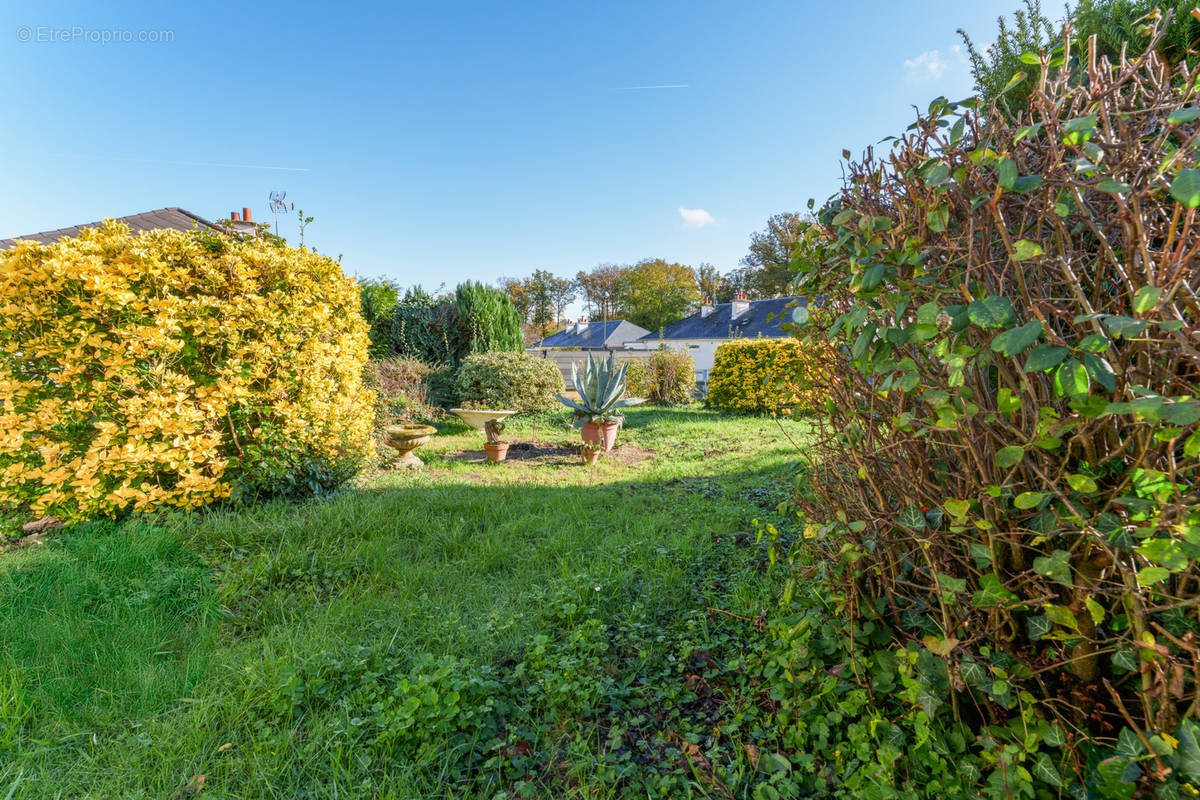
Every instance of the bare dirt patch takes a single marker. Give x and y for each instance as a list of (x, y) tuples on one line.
[(530, 455)]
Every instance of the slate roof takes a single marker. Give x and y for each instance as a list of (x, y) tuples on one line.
[(171, 218), (719, 325), (613, 333)]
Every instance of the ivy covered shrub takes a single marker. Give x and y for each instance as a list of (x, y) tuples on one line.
[(1008, 468), (175, 369), (515, 381), (402, 388), (445, 330), (771, 375), (667, 377)]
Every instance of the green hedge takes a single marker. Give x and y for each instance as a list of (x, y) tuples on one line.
[(516, 381)]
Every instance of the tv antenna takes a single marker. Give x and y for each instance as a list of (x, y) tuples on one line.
[(278, 206)]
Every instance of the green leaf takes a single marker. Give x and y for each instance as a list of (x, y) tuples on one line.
[(1027, 500), (1187, 754), (938, 218), (990, 312), (912, 517), (1191, 448), (1006, 173), (950, 583), (1012, 82), (992, 592), (1017, 340), (1124, 327), (1024, 250), (1061, 616), (1112, 186), (1095, 609), (1181, 115), (1129, 744), (1030, 58), (957, 508), (1044, 771), (1038, 626), (1185, 188), (1027, 183), (1009, 456), (873, 277), (1045, 357), (1082, 483), (956, 132), (1146, 298), (1007, 401), (1072, 378), (1099, 372), (1152, 575), (1056, 566)]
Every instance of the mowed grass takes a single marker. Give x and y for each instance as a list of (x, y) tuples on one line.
[(157, 658)]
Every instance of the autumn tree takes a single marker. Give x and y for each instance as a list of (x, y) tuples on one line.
[(655, 293), (767, 270), (517, 290), (601, 289), (713, 285)]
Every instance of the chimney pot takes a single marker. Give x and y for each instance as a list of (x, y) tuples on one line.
[(246, 214), (233, 215)]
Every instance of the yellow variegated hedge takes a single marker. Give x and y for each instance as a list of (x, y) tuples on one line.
[(776, 375), (175, 369)]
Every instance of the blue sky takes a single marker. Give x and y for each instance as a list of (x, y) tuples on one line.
[(437, 142)]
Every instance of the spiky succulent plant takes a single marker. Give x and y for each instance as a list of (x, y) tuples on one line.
[(600, 384)]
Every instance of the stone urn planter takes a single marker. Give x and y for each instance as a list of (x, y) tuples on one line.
[(406, 438), (478, 417), (603, 434)]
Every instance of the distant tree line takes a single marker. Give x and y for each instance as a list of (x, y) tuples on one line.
[(655, 292)]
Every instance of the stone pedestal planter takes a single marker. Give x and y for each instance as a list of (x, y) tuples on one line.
[(404, 439)]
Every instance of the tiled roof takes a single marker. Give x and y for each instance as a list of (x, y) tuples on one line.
[(761, 320), (171, 218), (612, 333)]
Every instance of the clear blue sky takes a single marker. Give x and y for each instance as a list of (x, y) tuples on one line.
[(436, 142)]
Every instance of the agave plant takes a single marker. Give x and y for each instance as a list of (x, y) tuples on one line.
[(600, 385)]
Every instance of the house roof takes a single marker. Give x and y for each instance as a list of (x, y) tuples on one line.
[(171, 218), (762, 319), (612, 333)]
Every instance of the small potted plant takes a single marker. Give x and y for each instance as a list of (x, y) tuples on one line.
[(590, 452), (496, 449), (597, 414)]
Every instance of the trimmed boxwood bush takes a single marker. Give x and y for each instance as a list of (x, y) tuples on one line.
[(175, 369), (517, 381), (772, 375), (667, 377)]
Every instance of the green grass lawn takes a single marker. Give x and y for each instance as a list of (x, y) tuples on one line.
[(464, 630)]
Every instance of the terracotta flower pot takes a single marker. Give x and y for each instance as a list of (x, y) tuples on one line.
[(603, 433), (589, 455), (496, 451)]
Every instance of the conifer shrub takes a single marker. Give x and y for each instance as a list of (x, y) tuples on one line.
[(1007, 470), (175, 369)]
